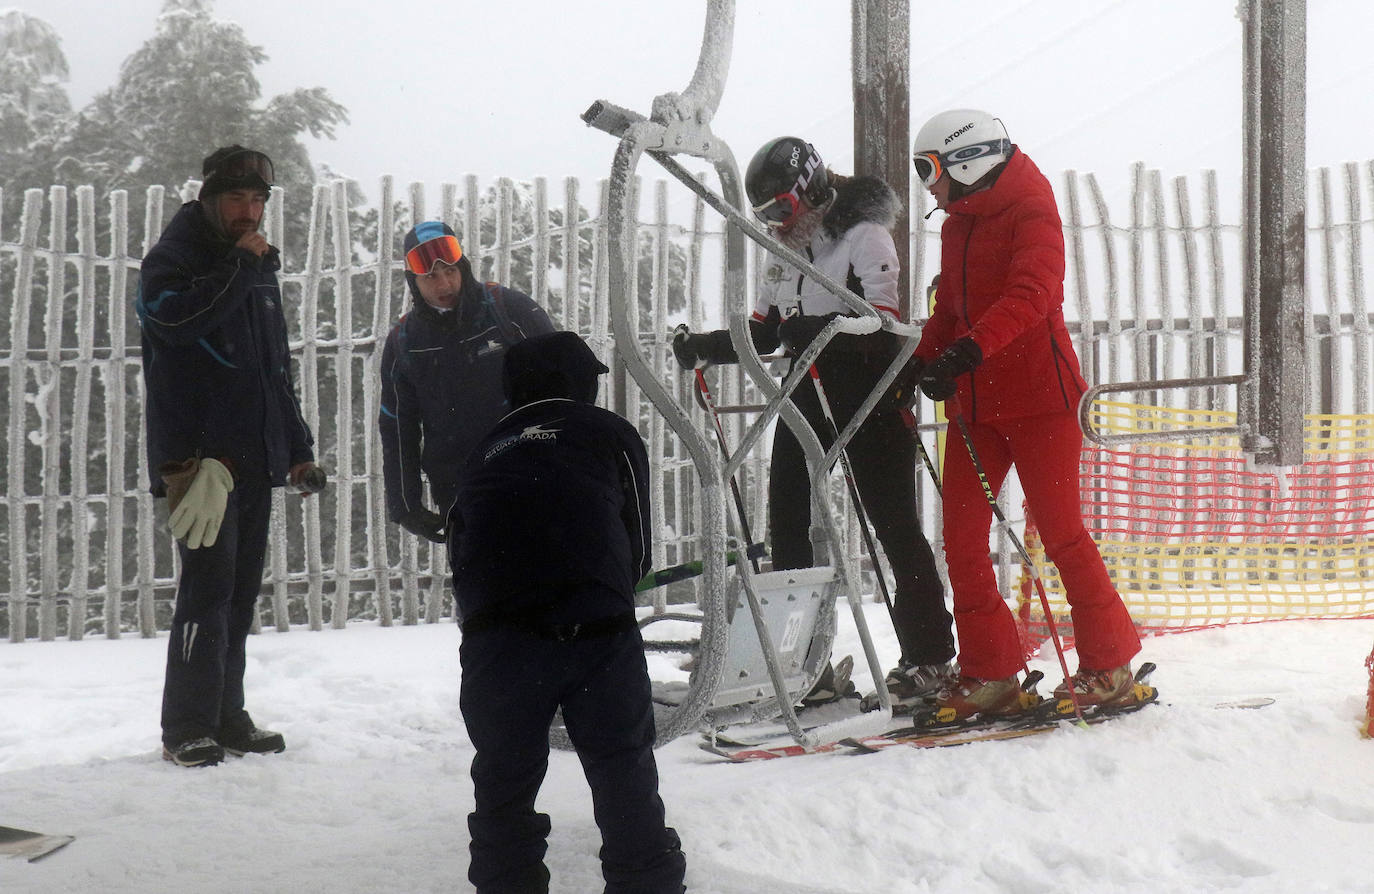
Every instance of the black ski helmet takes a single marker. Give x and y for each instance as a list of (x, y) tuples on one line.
[(786, 165)]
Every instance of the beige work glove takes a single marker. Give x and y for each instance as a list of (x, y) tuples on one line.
[(196, 519)]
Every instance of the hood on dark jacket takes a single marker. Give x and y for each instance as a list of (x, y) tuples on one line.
[(861, 199), (553, 365)]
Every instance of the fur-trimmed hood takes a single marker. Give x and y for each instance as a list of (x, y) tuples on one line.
[(860, 199)]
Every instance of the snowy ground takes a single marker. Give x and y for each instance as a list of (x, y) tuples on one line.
[(372, 793)]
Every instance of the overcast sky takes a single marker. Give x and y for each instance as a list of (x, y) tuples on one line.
[(436, 90)]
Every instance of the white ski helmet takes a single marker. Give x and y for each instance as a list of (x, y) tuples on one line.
[(966, 142)]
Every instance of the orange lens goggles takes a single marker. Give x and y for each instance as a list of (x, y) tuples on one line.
[(928, 168), (421, 259)]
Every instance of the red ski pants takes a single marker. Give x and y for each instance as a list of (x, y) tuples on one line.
[(1045, 450)]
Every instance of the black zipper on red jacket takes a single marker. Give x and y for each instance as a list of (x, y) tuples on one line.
[(972, 383), (1058, 371)]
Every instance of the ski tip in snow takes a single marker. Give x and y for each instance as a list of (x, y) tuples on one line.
[(30, 845), (1261, 701)]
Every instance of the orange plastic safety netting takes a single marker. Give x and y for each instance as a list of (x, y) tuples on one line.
[(1195, 536)]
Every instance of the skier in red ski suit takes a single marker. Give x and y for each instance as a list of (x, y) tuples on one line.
[(996, 342)]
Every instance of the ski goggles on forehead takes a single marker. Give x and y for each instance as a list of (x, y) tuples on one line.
[(421, 259), (779, 209), (246, 167)]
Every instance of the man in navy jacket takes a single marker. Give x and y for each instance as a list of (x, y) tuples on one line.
[(224, 427), (548, 535), (441, 374)]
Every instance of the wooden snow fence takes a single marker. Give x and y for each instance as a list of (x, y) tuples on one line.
[(1150, 294), (86, 545)]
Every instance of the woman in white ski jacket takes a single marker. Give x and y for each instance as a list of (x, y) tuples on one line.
[(843, 226)]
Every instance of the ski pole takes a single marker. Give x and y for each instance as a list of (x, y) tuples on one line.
[(725, 451), (910, 421), (674, 573), (958, 414), (854, 494)]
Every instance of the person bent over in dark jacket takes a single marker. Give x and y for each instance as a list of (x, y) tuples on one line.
[(547, 536)]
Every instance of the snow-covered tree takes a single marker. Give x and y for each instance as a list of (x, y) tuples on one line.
[(190, 88), (33, 98)]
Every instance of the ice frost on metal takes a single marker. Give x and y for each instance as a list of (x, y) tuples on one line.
[(679, 124)]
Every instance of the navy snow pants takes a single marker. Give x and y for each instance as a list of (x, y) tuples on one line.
[(218, 588), (513, 682)]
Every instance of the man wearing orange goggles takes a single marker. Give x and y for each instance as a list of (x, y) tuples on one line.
[(421, 259), (441, 374)]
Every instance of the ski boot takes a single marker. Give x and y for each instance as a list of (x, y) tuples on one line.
[(911, 687), (1107, 691), (970, 698)]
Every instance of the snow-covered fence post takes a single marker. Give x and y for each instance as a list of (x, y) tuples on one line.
[(343, 434), (416, 193), (1112, 289), (1315, 365), (505, 202), (374, 487), (49, 406), (472, 221), (624, 397), (409, 546), (1078, 267), (1326, 366), (448, 210), (81, 413), (146, 518), (1164, 345), (1197, 338), (599, 311), (309, 388), (116, 425), (279, 575), (17, 429), (916, 250), (1140, 341), (572, 257), (1358, 307), (1217, 284), (539, 276)]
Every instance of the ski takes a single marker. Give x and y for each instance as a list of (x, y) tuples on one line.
[(923, 719), (1050, 716), (30, 845), (1054, 716), (744, 755), (929, 729)]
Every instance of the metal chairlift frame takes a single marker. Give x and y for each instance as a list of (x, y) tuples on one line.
[(679, 124)]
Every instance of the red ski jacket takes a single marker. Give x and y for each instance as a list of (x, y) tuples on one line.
[(1002, 282)]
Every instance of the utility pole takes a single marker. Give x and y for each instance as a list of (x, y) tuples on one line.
[(881, 51), (1273, 401)]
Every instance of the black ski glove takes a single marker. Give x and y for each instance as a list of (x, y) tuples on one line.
[(423, 523), (901, 394), (798, 331), (937, 380), (691, 350)]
